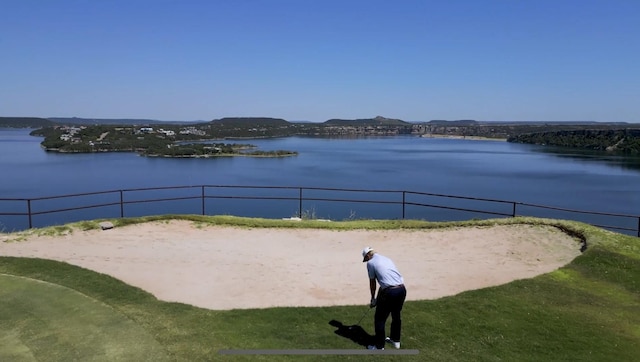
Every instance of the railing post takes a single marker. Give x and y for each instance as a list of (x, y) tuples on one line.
[(121, 204), (29, 211), (203, 200), (639, 226), (404, 196), (300, 202), (513, 213)]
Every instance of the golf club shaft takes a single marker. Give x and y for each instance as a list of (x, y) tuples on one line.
[(364, 314)]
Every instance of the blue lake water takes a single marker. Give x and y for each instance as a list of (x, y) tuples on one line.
[(481, 169)]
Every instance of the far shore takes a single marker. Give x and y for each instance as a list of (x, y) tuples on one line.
[(458, 137), (224, 155)]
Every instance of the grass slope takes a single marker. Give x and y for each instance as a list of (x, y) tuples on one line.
[(43, 315), (586, 311)]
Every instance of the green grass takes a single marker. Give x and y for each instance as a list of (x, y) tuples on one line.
[(44, 315), (586, 311)]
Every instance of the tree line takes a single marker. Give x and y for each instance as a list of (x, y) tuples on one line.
[(625, 141)]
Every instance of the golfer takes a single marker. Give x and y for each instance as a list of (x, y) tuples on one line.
[(390, 297)]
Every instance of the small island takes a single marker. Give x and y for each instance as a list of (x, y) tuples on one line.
[(167, 141)]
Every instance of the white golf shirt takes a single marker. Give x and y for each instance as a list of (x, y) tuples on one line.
[(384, 270)]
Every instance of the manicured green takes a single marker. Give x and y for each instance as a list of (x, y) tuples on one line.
[(586, 311), (42, 315)]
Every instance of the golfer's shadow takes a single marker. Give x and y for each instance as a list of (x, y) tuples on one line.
[(355, 333)]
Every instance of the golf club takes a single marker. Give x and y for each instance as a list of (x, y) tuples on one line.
[(361, 318)]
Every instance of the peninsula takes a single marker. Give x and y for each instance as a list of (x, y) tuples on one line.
[(149, 140)]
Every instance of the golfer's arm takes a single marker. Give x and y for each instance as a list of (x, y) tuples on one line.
[(372, 286)]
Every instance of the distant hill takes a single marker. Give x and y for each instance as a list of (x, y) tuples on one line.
[(250, 121), (378, 121), (25, 122), (462, 122), (253, 122), (111, 121)]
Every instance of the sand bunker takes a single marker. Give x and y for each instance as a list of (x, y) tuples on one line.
[(221, 267)]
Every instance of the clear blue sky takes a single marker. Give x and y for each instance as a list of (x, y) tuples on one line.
[(417, 60)]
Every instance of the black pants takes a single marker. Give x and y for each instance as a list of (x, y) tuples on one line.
[(390, 301)]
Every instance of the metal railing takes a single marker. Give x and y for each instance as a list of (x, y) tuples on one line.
[(309, 202)]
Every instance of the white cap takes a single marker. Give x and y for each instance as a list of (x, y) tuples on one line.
[(366, 251)]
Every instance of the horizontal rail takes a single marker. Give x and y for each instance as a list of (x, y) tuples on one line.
[(458, 209), (160, 200), (458, 197), (70, 195), (575, 211), (74, 208), (615, 227)]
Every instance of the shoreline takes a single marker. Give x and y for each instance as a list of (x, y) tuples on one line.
[(224, 155), (458, 137)]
